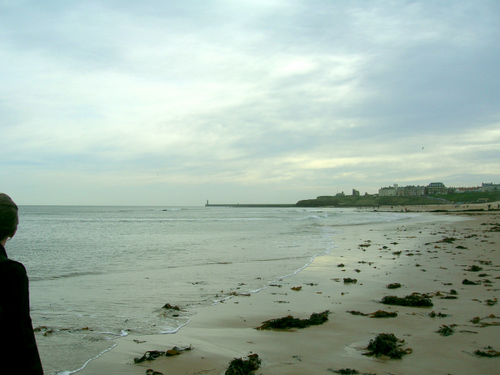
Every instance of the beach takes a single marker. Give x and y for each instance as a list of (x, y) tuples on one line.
[(430, 254)]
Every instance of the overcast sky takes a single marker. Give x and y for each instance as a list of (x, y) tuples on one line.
[(159, 102)]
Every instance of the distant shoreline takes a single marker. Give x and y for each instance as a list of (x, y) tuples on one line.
[(248, 205)]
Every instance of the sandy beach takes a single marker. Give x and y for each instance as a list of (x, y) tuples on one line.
[(431, 254)]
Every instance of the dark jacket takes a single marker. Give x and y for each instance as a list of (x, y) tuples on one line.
[(18, 353)]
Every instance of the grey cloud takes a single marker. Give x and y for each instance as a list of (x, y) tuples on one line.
[(239, 89)]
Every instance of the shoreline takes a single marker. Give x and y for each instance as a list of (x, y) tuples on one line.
[(224, 331)]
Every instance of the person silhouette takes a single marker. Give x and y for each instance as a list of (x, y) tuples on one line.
[(19, 353)]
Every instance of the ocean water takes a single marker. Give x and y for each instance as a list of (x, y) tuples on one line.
[(99, 273)]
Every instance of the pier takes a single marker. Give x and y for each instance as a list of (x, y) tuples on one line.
[(248, 205)]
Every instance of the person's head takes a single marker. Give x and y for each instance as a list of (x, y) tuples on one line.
[(8, 217)]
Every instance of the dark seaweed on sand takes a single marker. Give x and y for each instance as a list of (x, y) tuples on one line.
[(376, 314), (468, 282), (393, 286), (151, 355), (387, 344), (383, 314), (445, 330), (291, 322), (474, 268), (240, 366), (490, 353), (352, 312), (440, 315), (344, 371), (348, 371), (414, 300), (348, 280), (448, 240)]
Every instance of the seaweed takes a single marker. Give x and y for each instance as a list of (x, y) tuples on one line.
[(468, 282), (291, 322), (296, 288), (155, 354), (348, 371), (445, 330), (448, 240), (352, 312), (348, 280), (387, 344), (485, 262), (478, 320), (393, 286), (490, 352), (474, 268), (345, 371), (384, 314), (168, 306), (150, 371), (240, 366), (440, 315), (491, 302), (149, 356), (413, 300)]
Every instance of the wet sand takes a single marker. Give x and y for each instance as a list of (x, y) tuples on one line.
[(419, 253)]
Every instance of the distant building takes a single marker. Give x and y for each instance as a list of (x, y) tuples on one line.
[(388, 191), (411, 191), (468, 189), (487, 187), (355, 193), (405, 191), (436, 188)]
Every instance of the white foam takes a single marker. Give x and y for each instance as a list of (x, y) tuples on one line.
[(86, 363)]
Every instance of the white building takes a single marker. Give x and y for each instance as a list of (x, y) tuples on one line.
[(490, 187)]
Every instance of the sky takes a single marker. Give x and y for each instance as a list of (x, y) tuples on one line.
[(173, 103)]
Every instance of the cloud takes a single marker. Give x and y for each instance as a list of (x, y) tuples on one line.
[(269, 96)]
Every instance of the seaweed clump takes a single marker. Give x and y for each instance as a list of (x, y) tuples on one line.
[(348, 371), (345, 371), (291, 322), (448, 240), (376, 314), (387, 344), (393, 286), (474, 268), (240, 366), (468, 282), (384, 314), (151, 355), (413, 300), (440, 315), (490, 352), (168, 306), (352, 312), (445, 330), (491, 302)]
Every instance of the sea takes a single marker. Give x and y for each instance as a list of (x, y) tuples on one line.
[(99, 273)]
